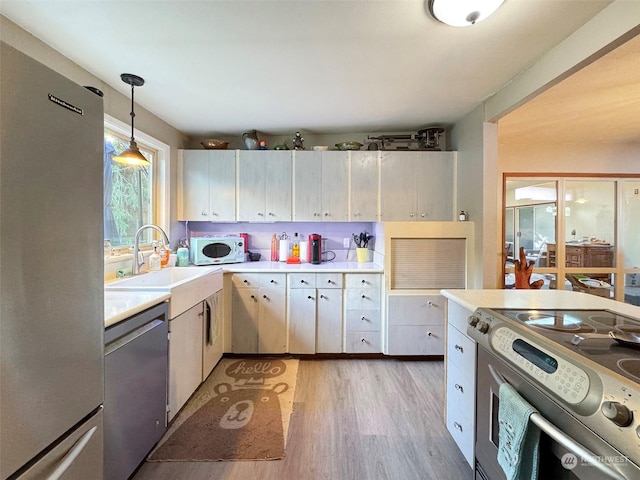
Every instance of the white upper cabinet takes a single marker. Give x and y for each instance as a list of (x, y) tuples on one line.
[(264, 185), (208, 183), (417, 186), (321, 186), (363, 186)]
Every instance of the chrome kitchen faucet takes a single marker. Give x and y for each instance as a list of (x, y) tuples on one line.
[(135, 267)]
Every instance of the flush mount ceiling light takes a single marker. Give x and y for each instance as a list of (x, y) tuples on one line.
[(132, 155), (462, 13)]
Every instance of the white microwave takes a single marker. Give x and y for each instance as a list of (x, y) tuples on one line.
[(214, 250)]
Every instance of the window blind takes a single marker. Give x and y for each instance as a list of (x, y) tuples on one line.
[(428, 263)]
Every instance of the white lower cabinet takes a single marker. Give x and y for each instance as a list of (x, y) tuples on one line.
[(185, 357), (415, 324), (362, 313), (460, 384), (258, 313), (315, 313)]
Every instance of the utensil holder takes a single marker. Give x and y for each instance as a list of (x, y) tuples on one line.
[(362, 254)]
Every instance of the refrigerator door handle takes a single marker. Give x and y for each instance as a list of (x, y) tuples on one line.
[(70, 457)]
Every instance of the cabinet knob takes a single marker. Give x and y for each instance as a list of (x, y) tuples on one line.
[(302, 281), (411, 215), (329, 281), (356, 214), (459, 348), (429, 334), (260, 214), (326, 214), (245, 281), (273, 281), (423, 215), (364, 319), (310, 297), (214, 214), (364, 296), (363, 282), (459, 388), (316, 214), (322, 296), (265, 297), (457, 425), (253, 297), (204, 214), (430, 303), (363, 340)]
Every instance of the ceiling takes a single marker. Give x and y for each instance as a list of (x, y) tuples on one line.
[(224, 67)]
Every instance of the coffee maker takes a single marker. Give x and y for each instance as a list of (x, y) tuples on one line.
[(315, 249)]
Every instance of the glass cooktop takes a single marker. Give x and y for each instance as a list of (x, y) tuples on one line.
[(594, 327)]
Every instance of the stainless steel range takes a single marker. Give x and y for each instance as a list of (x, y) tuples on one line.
[(584, 383)]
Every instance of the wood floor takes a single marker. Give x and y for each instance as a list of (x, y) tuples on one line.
[(353, 419)]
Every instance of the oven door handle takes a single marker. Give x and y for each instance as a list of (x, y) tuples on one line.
[(562, 438)]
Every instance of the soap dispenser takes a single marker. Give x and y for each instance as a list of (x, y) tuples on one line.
[(154, 260)]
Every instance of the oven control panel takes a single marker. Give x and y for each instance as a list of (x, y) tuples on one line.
[(566, 380)]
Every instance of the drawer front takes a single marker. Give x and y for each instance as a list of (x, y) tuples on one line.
[(462, 429), (273, 280), (416, 340), (362, 342), (363, 299), (302, 280), (246, 280), (328, 280), (362, 320), (415, 309), (457, 315), (461, 351), (365, 280), (461, 389)]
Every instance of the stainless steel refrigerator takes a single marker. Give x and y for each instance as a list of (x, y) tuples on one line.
[(51, 274)]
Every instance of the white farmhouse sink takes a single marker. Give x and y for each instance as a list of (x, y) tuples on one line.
[(187, 285)]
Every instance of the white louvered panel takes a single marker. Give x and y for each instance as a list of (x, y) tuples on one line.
[(428, 263)]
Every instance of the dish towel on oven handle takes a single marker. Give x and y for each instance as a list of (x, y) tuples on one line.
[(519, 438)]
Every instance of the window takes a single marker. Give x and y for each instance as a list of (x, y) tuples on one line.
[(580, 247), (128, 192), (133, 196)]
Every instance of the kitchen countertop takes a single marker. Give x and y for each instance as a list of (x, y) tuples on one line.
[(282, 267), (537, 299), (119, 306)]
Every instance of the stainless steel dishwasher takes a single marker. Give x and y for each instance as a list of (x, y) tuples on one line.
[(135, 404)]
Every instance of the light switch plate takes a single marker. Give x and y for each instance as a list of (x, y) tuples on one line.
[(345, 242)]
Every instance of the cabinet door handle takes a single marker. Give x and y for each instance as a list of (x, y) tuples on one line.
[(457, 425), (459, 348), (459, 388)]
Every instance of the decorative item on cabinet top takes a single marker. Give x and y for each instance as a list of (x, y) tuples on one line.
[(214, 144), (425, 139)]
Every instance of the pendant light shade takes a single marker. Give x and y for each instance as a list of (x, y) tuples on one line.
[(462, 13), (132, 155)]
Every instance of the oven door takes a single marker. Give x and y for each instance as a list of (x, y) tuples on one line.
[(564, 440)]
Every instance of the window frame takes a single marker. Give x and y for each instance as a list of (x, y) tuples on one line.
[(160, 200)]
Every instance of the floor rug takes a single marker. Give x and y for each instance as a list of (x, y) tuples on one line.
[(241, 412)]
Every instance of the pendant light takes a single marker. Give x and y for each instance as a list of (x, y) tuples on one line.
[(462, 13), (132, 155)]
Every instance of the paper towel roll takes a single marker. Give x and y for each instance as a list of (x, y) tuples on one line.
[(304, 251), (284, 250)]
